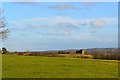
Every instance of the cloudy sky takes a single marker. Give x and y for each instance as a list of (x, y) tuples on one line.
[(38, 26)]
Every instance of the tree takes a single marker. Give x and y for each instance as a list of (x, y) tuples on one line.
[(3, 29), (4, 50), (61, 52)]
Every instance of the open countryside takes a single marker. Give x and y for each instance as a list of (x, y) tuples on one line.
[(59, 39), (56, 67)]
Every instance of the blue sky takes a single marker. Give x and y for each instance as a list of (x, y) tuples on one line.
[(38, 26)]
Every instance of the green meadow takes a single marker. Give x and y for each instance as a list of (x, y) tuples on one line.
[(16, 66), (0, 66)]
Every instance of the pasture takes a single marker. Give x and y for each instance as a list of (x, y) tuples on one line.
[(18, 66), (0, 65)]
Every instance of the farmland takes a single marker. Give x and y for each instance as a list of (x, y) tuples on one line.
[(0, 66), (18, 66)]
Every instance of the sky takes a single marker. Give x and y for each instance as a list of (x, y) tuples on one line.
[(40, 26)]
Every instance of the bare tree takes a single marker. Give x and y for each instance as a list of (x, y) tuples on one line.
[(3, 29)]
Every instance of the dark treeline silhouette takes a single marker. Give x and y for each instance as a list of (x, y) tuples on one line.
[(104, 53), (102, 50)]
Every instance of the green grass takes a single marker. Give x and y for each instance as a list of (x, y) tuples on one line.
[(15, 66), (0, 66)]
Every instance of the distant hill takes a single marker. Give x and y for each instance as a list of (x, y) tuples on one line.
[(102, 50), (56, 51), (89, 51), (96, 53)]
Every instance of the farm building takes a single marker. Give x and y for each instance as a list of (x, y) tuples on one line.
[(81, 51)]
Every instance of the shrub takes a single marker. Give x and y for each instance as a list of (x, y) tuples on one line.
[(4, 50), (19, 53), (61, 52), (107, 56), (87, 56)]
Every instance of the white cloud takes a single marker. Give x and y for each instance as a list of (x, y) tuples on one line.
[(62, 6), (62, 25), (88, 4), (66, 33), (98, 23), (98, 38), (57, 6)]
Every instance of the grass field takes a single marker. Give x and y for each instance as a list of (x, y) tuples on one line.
[(15, 66), (0, 66)]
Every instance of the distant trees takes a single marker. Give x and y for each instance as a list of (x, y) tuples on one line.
[(61, 52), (105, 53), (106, 56)]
